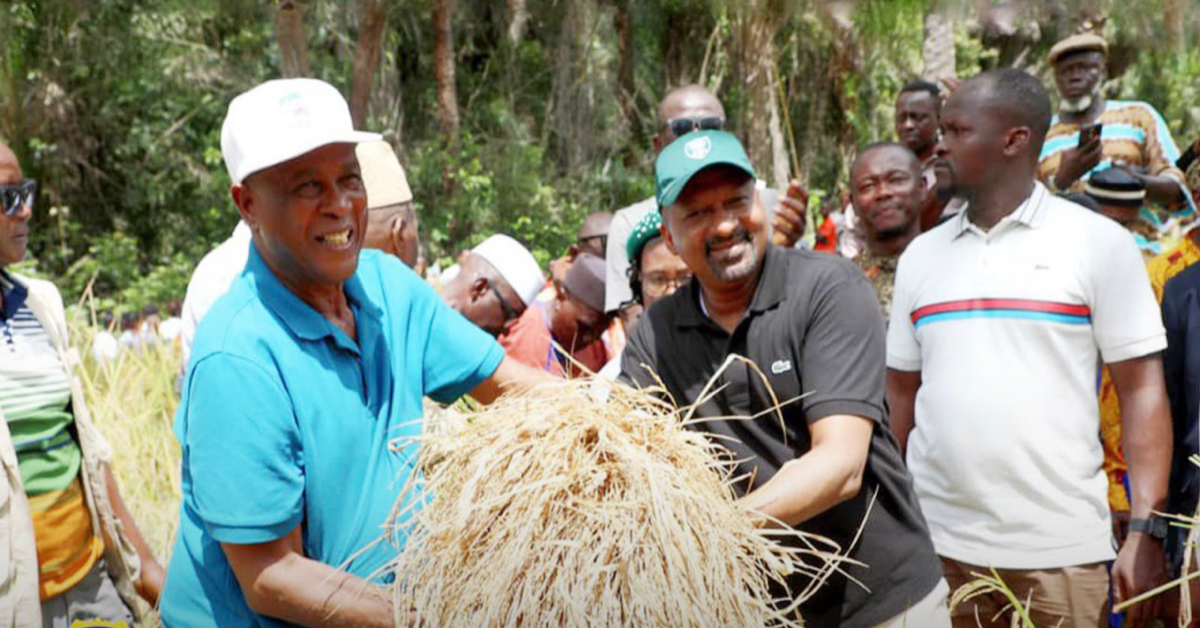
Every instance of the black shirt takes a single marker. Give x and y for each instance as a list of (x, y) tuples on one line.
[(1181, 367), (813, 328)]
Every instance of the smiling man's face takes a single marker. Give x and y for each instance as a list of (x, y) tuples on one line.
[(718, 226), (309, 216)]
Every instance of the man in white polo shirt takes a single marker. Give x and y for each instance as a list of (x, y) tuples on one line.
[(1000, 319)]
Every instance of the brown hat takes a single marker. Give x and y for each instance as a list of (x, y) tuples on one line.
[(585, 280), (1078, 43), (382, 175)]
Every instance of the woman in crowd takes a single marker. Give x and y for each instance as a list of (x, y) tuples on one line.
[(69, 550)]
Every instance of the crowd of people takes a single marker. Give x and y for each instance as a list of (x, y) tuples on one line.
[(992, 363)]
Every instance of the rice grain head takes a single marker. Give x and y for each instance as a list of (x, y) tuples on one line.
[(549, 509)]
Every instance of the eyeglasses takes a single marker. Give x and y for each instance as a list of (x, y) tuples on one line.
[(14, 197), (510, 313), (683, 126), (583, 242), (657, 284)]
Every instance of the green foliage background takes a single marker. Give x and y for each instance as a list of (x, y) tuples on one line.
[(116, 105)]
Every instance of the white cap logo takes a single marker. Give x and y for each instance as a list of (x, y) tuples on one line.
[(698, 148)]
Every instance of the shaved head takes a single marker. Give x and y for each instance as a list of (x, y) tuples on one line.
[(1017, 97), (9, 168), (689, 101)]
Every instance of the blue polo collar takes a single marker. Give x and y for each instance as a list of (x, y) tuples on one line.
[(299, 317), (14, 292)]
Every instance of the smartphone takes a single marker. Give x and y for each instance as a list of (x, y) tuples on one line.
[(1087, 133)]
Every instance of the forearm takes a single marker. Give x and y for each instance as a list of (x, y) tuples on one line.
[(1146, 436), (807, 486), (510, 373), (902, 398), (151, 570), (803, 488), (1162, 189), (309, 593)]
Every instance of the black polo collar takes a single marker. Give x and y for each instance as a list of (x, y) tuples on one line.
[(771, 291)]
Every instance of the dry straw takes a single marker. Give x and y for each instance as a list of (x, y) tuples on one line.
[(549, 509)]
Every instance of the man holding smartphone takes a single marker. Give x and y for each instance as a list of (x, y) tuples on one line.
[(1091, 133)]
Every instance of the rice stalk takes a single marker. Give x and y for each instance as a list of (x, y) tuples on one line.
[(549, 509), (984, 584)]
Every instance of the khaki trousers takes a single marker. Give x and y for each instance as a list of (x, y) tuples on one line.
[(930, 612), (1071, 597)]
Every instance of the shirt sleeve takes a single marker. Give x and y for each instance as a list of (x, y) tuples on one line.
[(616, 262), (843, 353), (243, 452), (637, 359), (1126, 321), (903, 349), (458, 355)]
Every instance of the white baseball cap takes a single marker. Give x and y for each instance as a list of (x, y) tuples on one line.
[(382, 175), (515, 264), (281, 120)]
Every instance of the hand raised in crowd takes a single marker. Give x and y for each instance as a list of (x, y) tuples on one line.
[(1076, 162), (791, 215), (1140, 566)]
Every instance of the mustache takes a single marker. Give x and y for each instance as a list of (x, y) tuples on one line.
[(741, 235)]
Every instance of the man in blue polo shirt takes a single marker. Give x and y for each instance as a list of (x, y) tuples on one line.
[(300, 377)]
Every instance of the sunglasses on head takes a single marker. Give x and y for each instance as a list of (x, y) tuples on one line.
[(683, 126), (14, 197)]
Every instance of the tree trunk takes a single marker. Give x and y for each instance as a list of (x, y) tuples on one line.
[(937, 51), (516, 23), (289, 32), (372, 22), (779, 156), (443, 68), (1173, 20), (755, 32), (625, 86)]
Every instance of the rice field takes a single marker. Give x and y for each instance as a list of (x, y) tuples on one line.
[(133, 403)]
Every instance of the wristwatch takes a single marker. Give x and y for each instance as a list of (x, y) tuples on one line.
[(1154, 527)]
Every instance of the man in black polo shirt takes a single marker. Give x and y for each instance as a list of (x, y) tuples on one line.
[(811, 323)]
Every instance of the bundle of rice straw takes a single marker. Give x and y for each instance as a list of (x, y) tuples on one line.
[(549, 509)]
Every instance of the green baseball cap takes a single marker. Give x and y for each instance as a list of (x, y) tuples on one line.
[(691, 153)]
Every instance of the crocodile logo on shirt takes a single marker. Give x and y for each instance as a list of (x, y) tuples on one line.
[(779, 367)]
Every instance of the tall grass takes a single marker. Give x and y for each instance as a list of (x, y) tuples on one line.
[(133, 403)]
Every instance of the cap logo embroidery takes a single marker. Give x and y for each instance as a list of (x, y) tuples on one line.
[(294, 105), (698, 148)]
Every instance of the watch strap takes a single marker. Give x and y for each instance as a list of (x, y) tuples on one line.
[(1154, 527)]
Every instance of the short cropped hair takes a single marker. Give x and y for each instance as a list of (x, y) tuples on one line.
[(1022, 98), (922, 86), (874, 146)]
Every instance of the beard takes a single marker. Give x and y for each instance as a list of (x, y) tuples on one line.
[(1081, 104), (734, 270)]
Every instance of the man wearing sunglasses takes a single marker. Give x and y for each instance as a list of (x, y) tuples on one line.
[(498, 280), (686, 110)]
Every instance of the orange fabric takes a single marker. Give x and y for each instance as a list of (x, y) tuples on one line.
[(66, 547), (1161, 269), (529, 341), (827, 239)]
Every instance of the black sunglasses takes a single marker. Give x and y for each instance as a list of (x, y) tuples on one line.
[(683, 126), (14, 197)]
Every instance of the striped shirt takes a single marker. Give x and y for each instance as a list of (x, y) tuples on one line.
[(1006, 327), (34, 395), (1133, 132)]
